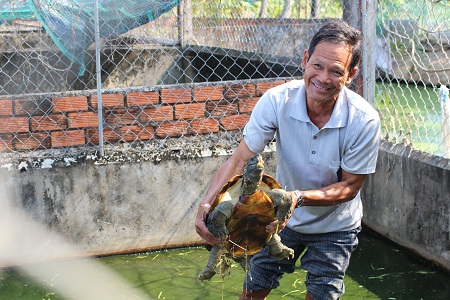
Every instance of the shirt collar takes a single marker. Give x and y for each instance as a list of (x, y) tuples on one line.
[(338, 117)]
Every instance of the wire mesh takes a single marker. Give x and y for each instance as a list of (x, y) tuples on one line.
[(412, 66), (192, 71)]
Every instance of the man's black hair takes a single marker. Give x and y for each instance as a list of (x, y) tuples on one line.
[(336, 32)]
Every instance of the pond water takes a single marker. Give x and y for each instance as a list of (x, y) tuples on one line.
[(379, 270)]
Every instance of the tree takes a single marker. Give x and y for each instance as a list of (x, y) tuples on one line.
[(314, 9), (263, 9), (286, 13)]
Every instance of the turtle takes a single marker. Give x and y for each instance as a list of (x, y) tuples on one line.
[(239, 215)]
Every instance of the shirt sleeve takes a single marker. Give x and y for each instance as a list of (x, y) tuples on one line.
[(361, 155), (262, 125)]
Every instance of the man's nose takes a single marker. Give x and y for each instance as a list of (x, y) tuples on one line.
[(323, 76)]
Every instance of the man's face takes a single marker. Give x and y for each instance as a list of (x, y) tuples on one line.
[(326, 71)]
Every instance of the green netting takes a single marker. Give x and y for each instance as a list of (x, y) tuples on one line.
[(70, 23), (10, 10)]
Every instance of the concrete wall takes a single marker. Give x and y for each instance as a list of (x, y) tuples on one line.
[(408, 200), (275, 38)]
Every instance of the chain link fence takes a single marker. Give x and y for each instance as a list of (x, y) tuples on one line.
[(155, 78), (413, 73)]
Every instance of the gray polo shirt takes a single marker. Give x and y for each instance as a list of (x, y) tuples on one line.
[(309, 158)]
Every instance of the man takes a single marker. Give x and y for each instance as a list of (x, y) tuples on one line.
[(327, 140)]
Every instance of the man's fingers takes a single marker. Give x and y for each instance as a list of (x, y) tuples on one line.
[(275, 227)]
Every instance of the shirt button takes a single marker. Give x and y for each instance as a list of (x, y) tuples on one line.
[(315, 137), (314, 152)]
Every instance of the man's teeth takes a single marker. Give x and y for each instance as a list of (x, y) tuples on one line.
[(320, 87)]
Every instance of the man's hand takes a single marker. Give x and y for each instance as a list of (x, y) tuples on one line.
[(276, 226)]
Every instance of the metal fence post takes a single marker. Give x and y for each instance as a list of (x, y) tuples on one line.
[(98, 70), (185, 23), (369, 22)]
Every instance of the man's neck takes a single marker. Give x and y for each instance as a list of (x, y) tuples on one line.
[(320, 114)]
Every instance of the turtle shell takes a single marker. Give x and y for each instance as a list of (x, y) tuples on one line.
[(251, 214)]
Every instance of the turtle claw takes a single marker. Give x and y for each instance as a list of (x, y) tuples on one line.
[(281, 253), (277, 250), (206, 275)]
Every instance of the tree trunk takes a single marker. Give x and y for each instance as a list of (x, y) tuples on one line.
[(287, 9), (314, 9), (263, 9)]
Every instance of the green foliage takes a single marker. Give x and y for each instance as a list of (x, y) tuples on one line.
[(224, 9), (221, 9)]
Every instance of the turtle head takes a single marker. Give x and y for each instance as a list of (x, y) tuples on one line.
[(253, 172)]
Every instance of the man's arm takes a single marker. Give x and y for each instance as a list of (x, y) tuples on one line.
[(233, 166), (335, 193)]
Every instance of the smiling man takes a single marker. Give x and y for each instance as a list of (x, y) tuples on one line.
[(327, 140)]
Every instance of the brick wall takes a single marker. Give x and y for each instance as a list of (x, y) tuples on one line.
[(51, 121)]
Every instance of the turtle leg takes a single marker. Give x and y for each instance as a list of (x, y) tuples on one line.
[(277, 249), (282, 202), (244, 261), (218, 217), (216, 261)]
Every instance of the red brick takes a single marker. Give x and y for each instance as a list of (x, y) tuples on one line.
[(6, 142), (14, 124), (121, 116), (50, 122), (262, 87), (137, 133), (239, 90), (70, 104), (222, 108), (189, 111), (247, 104), (157, 114), (68, 138), (142, 98), (236, 122), (109, 135), (31, 141), (172, 129), (6, 108), (82, 119), (108, 100), (208, 93), (204, 126), (172, 96), (33, 107)]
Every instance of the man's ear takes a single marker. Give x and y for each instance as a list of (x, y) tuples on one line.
[(351, 75), (305, 58)]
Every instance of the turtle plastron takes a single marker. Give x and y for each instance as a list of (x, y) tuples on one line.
[(240, 213)]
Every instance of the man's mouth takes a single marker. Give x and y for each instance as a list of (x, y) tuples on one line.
[(321, 87)]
